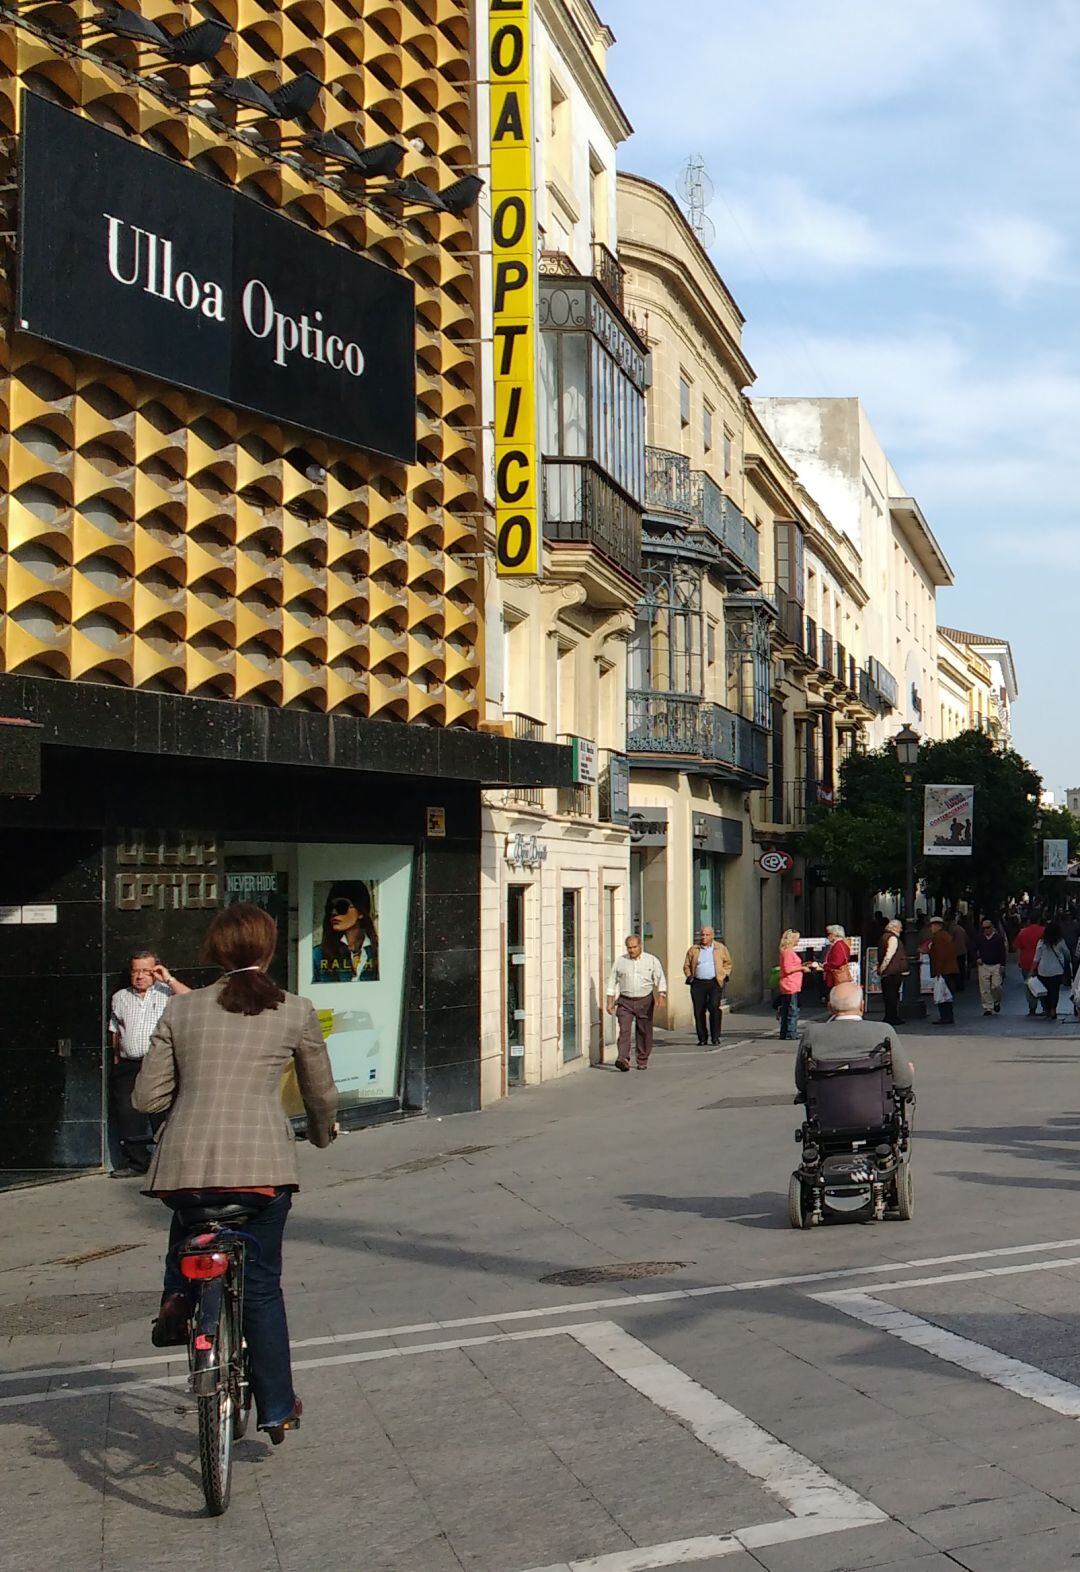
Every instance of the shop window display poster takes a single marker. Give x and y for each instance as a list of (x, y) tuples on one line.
[(354, 909)]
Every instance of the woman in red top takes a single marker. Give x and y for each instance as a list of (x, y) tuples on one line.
[(792, 971), (837, 957)]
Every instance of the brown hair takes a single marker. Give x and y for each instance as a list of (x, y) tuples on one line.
[(241, 937)]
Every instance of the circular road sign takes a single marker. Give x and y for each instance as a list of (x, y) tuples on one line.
[(776, 862)]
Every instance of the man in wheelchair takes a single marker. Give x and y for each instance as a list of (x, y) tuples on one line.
[(857, 1084)]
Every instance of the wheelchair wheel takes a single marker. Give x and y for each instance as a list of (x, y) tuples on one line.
[(798, 1217), (905, 1194)]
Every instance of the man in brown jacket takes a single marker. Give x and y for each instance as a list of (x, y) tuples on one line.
[(707, 968), (943, 963)]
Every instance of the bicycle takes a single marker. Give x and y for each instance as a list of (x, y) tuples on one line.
[(212, 1259)]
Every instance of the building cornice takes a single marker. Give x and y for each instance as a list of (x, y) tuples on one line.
[(573, 47)]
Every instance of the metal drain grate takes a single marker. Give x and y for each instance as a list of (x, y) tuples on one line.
[(617, 1272)]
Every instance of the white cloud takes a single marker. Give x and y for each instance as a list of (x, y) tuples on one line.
[(788, 232)]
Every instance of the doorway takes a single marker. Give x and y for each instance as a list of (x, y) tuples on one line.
[(515, 985), (571, 975)]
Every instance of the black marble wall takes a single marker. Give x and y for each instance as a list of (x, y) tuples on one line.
[(55, 981)]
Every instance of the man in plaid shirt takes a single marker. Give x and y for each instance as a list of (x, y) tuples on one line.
[(135, 1012)]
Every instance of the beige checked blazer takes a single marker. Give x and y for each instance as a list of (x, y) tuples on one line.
[(219, 1076)]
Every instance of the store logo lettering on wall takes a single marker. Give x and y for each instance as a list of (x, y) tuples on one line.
[(513, 248), (138, 259), (135, 258)]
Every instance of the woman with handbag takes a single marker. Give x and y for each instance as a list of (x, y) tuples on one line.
[(893, 967), (836, 964), (1052, 967)]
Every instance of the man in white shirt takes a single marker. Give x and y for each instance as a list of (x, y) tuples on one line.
[(133, 1018), (636, 982)]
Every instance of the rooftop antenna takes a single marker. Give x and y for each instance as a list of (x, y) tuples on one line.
[(697, 191)]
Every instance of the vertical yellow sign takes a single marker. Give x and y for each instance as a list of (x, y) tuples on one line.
[(513, 246)]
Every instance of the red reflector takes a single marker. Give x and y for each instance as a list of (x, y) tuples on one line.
[(203, 1344), (213, 1263)]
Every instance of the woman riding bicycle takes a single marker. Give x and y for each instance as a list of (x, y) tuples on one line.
[(215, 1063)]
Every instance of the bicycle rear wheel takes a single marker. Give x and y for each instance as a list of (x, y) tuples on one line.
[(216, 1413)]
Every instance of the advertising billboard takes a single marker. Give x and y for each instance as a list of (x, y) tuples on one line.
[(130, 256), (948, 821)]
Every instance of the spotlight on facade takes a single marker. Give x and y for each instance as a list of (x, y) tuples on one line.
[(456, 198), (287, 102), (115, 22), (193, 46), (383, 159), (462, 195), (197, 45)]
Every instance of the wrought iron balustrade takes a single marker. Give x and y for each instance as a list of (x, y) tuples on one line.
[(680, 723), (581, 504), (608, 272), (826, 650), (667, 482), (781, 803), (811, 643)]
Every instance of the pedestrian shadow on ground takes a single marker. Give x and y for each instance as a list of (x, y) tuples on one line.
[(764, 1209), (144, 1455), (1053, 1144)]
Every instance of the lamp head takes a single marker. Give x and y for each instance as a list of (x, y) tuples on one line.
[(906, 742)]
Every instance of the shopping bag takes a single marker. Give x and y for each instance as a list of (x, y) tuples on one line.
[(942, 992), (1036, 988)]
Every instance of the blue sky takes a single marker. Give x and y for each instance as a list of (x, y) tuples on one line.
[(897, 214)]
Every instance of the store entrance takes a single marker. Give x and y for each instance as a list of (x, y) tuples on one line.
[(52, 1004)]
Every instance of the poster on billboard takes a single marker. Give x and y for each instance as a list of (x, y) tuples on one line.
[(948, 821), (1055, 859), (354, 913)]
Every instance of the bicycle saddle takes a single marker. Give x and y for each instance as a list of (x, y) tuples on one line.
[(232, 1212)]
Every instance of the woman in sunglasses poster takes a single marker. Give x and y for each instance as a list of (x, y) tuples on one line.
[(346, 945)]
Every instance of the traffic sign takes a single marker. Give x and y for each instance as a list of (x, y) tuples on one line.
[(776, 862)]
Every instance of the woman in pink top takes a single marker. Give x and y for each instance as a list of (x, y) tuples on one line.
[(792, 971)]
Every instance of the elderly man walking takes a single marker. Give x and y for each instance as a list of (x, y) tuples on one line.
[(636, 982), (707, 968), (992, 955)]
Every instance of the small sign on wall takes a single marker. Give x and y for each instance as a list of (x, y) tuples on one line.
[(436, 822), (11, 916)]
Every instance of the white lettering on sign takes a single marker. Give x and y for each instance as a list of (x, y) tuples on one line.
[(138, 258)]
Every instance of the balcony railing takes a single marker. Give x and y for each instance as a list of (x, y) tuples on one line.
[(811, 644), (524, 727), (878, 687), (608, 273), (667, 482), (581, 504), (725, 523), (782, 803), (680, 723), (826, 650), (790, 616), (575, 801)]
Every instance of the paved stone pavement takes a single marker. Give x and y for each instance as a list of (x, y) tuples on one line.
[(896, 1396)]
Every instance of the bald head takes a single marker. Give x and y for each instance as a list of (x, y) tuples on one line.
[(846, 999)]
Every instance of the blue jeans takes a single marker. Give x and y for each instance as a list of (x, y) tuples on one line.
[(265, 1326), (789, 1015)]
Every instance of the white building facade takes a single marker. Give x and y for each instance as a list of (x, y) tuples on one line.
[(555, 864)]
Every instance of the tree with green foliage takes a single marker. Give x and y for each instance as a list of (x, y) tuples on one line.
[(859, 844)]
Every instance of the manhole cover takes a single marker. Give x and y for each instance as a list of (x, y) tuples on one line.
[(617, 1272), (76, 1313)]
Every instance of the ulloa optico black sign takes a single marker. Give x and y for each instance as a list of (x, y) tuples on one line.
[(128, 256)]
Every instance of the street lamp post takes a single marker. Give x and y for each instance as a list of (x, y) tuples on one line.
[(906, 743)]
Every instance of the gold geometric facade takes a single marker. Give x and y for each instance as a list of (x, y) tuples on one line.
[(154, 538)]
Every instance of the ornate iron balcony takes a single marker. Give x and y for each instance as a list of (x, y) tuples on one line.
[(582, 504), (681, 724)]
